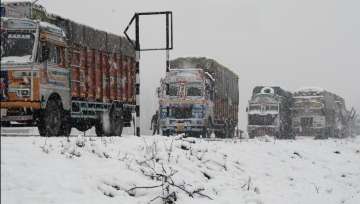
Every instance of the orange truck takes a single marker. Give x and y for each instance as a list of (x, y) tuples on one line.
[(57, 74)]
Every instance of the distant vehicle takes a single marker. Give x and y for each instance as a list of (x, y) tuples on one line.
[(269, 112), (198, 96), (57, 74), (317, 112)]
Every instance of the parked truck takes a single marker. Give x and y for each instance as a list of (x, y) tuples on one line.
[(269, 112), (198, 96), (319, 113), (57, 74)]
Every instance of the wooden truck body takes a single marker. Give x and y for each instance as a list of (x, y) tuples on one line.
[(67, 72)]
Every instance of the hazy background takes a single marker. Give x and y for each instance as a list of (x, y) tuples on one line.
[(287, 43)]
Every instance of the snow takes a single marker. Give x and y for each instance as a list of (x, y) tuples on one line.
[(16, 59), (310, 89), (102, 170), (52, 27), (263, 112), (307, 97)]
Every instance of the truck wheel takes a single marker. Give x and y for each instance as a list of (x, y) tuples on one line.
[(66, 124), (99, 129), (166, 133), (116, 122), (51, 119), (219, 134), (82, 127)]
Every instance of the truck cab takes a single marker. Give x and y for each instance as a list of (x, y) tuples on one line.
[(32, 69), (186, 102)]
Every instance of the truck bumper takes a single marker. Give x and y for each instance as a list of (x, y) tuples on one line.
[(255, 131), (316, 132), (19, 111), (20, 104), (185, 129)]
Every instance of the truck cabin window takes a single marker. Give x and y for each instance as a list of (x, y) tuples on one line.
[(55, 54), (17, 44), (194, 90)]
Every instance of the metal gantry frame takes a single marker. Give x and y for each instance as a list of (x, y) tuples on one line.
[(138, 49)]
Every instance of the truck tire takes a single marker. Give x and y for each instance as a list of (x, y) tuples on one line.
[(166, 133), (82, 127), (219, 134), (66, 124), (99, 129), (116, 122), (51, 119)]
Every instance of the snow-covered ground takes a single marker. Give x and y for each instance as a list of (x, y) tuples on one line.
[(104, 170)]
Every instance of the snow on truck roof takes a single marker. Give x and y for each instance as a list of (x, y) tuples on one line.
[(310, 89), (18, 23), (25, 23), (200, 62), (52, 28)]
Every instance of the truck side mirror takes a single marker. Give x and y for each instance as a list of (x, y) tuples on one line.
[(45, 50), (247, 109)]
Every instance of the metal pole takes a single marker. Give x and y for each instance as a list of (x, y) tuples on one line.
[(167, 60), (31, 7), (137, 72), (167, 44)]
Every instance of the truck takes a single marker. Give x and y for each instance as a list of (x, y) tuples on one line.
[(320, 113), (269, 112), (57, 74), (198, 96)]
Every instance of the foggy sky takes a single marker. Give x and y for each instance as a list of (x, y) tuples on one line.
[(289, 43)]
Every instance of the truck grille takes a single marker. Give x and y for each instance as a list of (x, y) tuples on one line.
[(181, 112)]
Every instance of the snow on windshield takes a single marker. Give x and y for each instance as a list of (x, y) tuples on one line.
[(310, 89), (16, 46)]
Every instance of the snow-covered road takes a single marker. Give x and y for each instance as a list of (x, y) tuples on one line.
[(102, 170)]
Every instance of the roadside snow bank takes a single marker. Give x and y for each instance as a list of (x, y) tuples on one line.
[(181, 170)]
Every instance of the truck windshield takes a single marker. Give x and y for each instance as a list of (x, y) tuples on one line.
[(16, 46), (194, 89), (308, 103)]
